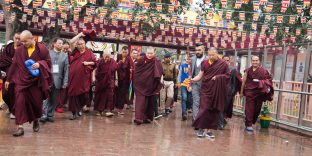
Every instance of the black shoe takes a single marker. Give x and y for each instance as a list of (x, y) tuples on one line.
[(51, 119), (79, 113), (221, 127), (36, 126), (43, 120), (137, 122), (18, 132), (73, 117)]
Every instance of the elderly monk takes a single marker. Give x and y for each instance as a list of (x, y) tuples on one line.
[(29, 90), (104, 86), (82, 63), (5, 63), (234, 88), (214, 74), (257, 88), (146, 83), (123, 72)]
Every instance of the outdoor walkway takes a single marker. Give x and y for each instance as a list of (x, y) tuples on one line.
[(92, 135)]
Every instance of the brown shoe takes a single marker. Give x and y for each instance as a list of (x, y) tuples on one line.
[(36, 126), (18, 132)]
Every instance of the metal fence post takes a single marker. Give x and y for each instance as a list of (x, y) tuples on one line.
[(235, 59), (265, 56), (304, 85), (248, 58), (282, 79)]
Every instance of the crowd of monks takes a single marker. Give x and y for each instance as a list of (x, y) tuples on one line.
[(69, 72)]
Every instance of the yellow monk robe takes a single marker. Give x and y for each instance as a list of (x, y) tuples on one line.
[(31, 50)]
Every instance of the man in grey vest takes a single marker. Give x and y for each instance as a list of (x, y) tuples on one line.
[(59, 70), (196, 66)]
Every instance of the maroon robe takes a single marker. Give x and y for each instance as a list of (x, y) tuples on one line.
[(212, 94), (123, 71), (105, 83), (80, 77), (256, 93), (6, 57), (146, 83), (234, 87), (30, 91)]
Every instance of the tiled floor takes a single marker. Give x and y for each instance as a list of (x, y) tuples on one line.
[(93, 135)]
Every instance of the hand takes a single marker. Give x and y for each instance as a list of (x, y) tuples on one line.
[(6, 85), (214, 78), (116, 83), (82, 34), (178, 85), (85, 63), (255, 80), (241, 94), (35, 66), (64, 86)]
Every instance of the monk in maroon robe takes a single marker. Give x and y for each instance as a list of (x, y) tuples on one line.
[(257, 87), (104, 86), (82, 64), (214, 75), (123, 72), (235, 83), (146, 84), (29, 90), (5, 63)]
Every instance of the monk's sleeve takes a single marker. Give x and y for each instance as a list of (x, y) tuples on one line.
[(12, 70), (267, 82)]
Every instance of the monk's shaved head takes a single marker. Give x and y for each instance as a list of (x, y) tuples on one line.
[(27, 38), (26, 33)]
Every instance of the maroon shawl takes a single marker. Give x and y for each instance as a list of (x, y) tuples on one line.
[(215, 90), (19, 75), (6, 57), (262, 88), (80, 76), (146, 76), (105, 73), (123, 70)]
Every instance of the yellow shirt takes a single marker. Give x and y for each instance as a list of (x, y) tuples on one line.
[(31, 50)]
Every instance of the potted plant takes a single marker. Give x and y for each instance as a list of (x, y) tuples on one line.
[(265, 119)]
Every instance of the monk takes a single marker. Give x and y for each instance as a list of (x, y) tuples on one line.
[(146, 83), (257, 87), (82, 63), (123, 72), (29, 90), (214, 74), (234, 88), (104, 86), (5, 63)]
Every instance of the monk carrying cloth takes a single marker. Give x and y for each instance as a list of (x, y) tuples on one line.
[(31, 88), (105, 84), (257, 88), (215, 77), (146, 83)]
